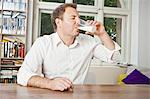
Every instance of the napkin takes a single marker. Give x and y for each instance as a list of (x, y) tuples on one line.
[(136, 77)]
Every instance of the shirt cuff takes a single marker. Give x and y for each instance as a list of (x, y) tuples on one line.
[(117, 47), (111, 52), (23, 77)]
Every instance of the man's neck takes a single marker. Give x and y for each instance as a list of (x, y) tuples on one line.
[(67, 40)]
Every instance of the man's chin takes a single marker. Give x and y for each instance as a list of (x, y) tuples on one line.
[(77, 33)]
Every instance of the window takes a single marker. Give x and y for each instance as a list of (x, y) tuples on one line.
[(116, 3), (84, 2), (116, 27), (58, 1), (46, 25), (113, 28), (112, 3), (87, 17), (114, 14)]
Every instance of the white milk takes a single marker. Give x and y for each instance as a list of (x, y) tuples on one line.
[(88, 28)]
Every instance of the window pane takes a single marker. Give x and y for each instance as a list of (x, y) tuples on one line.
[(87, 17), (113, 28), (112, 3), (59, 1), (46, 25), (84, 2)]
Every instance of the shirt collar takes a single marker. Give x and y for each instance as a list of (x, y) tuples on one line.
[(58, 41)]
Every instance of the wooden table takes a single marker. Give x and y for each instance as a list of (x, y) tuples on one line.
[(13, 91)]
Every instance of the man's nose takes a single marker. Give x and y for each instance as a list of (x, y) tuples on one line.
[(78, 21)]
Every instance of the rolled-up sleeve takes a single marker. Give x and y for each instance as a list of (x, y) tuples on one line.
[(32, 64), (104, 54)]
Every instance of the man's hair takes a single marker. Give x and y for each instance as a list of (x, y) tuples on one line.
[(59, 12)]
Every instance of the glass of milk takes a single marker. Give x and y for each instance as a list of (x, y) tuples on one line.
[(86, 27)]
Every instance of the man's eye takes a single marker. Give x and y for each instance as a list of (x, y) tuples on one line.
[(73, 18)]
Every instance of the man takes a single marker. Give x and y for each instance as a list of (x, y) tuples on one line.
[(59, 60)]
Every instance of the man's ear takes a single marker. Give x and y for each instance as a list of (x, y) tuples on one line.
[(58, 22)]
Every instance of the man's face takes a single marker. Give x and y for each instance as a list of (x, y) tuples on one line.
[(70, 22)]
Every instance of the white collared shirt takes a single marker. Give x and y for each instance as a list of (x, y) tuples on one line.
[(50, 57)]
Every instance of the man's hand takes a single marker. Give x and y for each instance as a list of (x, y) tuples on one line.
[(61, 84), (58, 83), (102, 34), (100, 29)]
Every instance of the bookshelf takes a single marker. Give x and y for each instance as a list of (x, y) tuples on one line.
[(13, 35)]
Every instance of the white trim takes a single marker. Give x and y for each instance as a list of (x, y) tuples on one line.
[(46, 11), (100, 4), (134, 32), (29, 25), (36, 18), (90, 9), (129, 4), (47, 5), (116, 11), (68, 1), (100, 16), (128, 44), (88, 14), (122, 3), (114, 16)]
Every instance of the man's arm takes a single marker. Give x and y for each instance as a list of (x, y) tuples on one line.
[(61, 84), (107, 41), (110, 55), (102, 34), (30, 73)]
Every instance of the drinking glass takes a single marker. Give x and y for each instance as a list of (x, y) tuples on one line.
[(83, 25)]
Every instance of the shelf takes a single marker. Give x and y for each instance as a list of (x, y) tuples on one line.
[(13, 37), (13, 11), (10, 66), (21, 35), (5, 58)]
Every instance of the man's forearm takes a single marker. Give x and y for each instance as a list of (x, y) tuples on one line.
[(57, 83), (107, 41), (37, 81)]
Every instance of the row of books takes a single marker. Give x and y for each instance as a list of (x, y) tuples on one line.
[(11, 63), (8, 80), (13, 25), (16, 5), (7, 62), (8, 75), (12, 50), (8, 70), (13, 79)]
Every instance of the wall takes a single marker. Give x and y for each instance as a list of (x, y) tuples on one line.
[(104, 74), (134, 32), (140, 54), (144, 33)]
